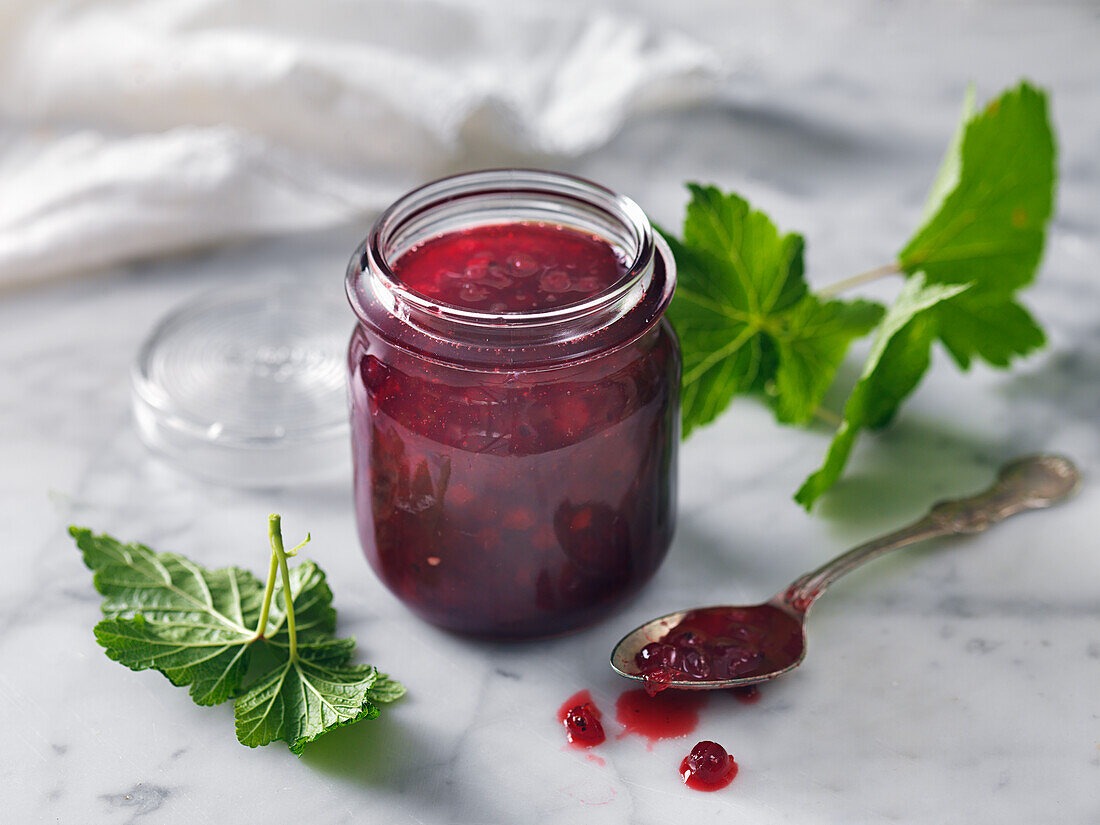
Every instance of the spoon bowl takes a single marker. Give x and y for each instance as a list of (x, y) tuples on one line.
[(711, 648), (785, 649)]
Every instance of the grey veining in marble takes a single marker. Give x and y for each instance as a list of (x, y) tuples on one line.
[(954, 683)]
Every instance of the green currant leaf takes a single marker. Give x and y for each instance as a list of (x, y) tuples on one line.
[(813, 337), (132, 579), (981, 236), (384, 689), (987, 326), (199, 628), (898, 359), (985, 225), (302, 699), (744, 317), (166, 613), (211, 660), (767, 268)]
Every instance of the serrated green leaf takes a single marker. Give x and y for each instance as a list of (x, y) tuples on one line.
[(385, 689), (132, 579), (166, 613), (898, 359), (768, 268), (300, 700), (743, 316), (982, 235), (992, 328), (989, 229), (198, 628), (985, 225), (813, 339), (212, 661)]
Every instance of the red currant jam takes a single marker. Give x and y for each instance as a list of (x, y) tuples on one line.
[(514, 403), (581, 719), (510, 267), (708, 767), (729, 643)]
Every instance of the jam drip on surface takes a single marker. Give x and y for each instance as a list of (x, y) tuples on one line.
[(747, 694), (668, 716), (715, 644), (708, 767), (581, 719)]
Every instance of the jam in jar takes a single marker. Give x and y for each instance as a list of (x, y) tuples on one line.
[(514, 401)]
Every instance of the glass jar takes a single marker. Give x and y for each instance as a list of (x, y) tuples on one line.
[(515, 470)]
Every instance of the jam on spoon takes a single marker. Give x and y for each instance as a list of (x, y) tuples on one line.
[(721, 643), (725, 647)]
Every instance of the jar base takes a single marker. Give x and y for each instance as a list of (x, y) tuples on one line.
[(530, 631)]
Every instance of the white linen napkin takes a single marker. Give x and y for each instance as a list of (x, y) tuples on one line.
[(139, 127)]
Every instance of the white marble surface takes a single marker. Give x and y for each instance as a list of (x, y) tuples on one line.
[(957, 683)]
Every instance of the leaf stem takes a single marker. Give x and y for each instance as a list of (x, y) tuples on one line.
[(835, 288), (828, 416), (275, 533), (261, 626)]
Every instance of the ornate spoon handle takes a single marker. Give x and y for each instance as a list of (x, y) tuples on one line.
[(1028, 483)]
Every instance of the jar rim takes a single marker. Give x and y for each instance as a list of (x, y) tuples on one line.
[(372, 286), (513, 180)]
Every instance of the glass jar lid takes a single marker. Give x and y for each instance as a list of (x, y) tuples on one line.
[(245, 385)]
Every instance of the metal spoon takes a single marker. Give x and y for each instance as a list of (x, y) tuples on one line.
[(772, 634)]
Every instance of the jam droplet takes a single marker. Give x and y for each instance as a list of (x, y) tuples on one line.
[(708, 767), (748, 694), (657, 677), (581, 719)]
